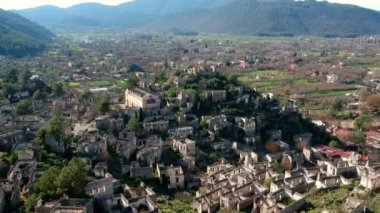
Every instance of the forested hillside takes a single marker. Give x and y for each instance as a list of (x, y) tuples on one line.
[(20, 37)]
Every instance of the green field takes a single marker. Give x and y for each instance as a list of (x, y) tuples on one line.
[(328, 93), (100, 83), (272, 80)]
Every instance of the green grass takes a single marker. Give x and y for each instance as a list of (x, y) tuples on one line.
[(100, 83), (74, 84), (328, 93)]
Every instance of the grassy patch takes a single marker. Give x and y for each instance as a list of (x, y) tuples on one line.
[(74, 84), (328, 93)]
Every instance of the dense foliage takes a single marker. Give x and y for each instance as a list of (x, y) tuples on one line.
[(20, 37)]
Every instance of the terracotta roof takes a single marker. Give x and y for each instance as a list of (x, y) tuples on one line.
[(342, 133), (373, 134)]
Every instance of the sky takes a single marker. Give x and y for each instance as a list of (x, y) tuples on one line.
[(23, 4)]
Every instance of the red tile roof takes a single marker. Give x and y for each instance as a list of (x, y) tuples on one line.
[(372, 134), (342, 133)]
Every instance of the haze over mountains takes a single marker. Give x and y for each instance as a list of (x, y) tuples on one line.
[(245, 17)]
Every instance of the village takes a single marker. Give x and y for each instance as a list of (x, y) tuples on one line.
[(185, 132)]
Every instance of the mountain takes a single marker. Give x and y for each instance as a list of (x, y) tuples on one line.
[(277, 18), (130, 14), (243, 17), (19, 36)]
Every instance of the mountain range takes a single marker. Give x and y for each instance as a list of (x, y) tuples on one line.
[(19, 36), (243, 17)]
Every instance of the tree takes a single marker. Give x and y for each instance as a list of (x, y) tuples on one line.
[(159, 77), (73, 178), (133, 124), (12, 77), (203, 123), (334, 144), (39, 95), (362, 121), (56, 126), (9, 89), (363, 93), (58, 89), (373, 102), (104, 105), (338, 105), (277, 167), (23, 108), (25, 76), (132, 81), (85, 96), (171, 92), (47, 184), (31, 202), (359, 137)]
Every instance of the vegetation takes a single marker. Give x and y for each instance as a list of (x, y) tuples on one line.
[(133, 124), (23, 108), (103, 104), (70, 180), (20, 37)]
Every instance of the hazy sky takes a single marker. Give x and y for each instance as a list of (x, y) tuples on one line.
[(22, 4)]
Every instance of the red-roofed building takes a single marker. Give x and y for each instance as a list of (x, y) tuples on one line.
[(342, 134), (373, 139), (332, 152), (373, 135)]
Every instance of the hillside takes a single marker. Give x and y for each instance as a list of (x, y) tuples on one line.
[(128, 15), (247, 17), (19, 36), (243, 17)]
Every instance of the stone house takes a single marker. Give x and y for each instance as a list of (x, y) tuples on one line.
[(172, 176), (9, 138), (370, 178), (354, 205), (300, 184), (182, 132), (72, 205), (327, 182), (125, 148), (150, 149), (102, 188), (109, 124), (11, 191), (100, 169), (139, 98), (54, 145), (283, 201), (217, 123), (93, 146), (332, 78), (150, 155), (209, 202), (136, 171), (156, 126), (241, 197), (29, 122), (335, 168), (187, 96), (216, 96), (188, 120), (185, 147), (140, 199)]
